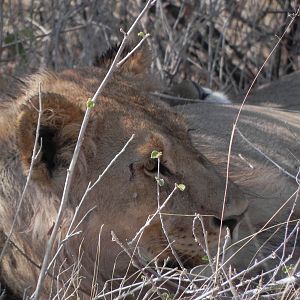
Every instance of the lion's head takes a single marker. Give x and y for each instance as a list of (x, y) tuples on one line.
[(125, 197)]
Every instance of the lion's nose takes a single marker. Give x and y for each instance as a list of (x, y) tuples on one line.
[(231, 223)]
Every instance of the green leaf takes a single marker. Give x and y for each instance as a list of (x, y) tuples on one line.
[(156, 154), (90, 103), (160, 181), (288, 269), (204, 258), (141, 34), (180, 186)]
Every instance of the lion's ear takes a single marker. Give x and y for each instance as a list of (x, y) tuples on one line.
[(58, 132), (138, 63)]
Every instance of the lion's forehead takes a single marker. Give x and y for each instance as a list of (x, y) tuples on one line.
[(122, 95)]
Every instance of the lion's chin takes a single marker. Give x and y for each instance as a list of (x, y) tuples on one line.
[(168, 261), (186, 261)]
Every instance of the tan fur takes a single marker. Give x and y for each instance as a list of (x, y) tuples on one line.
[(124, 198)]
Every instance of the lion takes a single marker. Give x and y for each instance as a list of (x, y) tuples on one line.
[(123, 200), (189, 90), (264, 163), (282, 93)]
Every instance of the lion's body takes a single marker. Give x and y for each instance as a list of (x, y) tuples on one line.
[(281, 93), (264, 162)]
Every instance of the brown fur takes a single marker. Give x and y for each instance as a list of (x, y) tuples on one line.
[(125, 196)]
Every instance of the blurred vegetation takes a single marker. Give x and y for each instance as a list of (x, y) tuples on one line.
[(218, 43)]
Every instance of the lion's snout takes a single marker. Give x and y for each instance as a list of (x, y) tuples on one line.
[(188, 241)]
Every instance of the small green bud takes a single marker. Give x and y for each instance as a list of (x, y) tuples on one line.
[(288, 269), (160, 181), (180, 186), (141, 34), (156, 154), (204, 258), (90, 103)]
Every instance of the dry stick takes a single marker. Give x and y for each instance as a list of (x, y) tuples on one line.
[(225, 246), (270, 256), (69, 235), (96, 266), (234, 129), (155, 275), (298, 261), (135, 287), (263, 228), (232, 287), (138, 235), (35, 153), (291, 281), (204, 231), (148, 222), (136, 245), (285, 235), (125, 278), (265, 155), (135, 262), (205, 248), (180, 52), (39, 26), (275, 285), (161, 218), (138, 284), (70, 171), (75, 28)]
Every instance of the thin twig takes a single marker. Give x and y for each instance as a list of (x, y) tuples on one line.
[(148, 222), (265, 155), (19, 41), (161, 218)]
